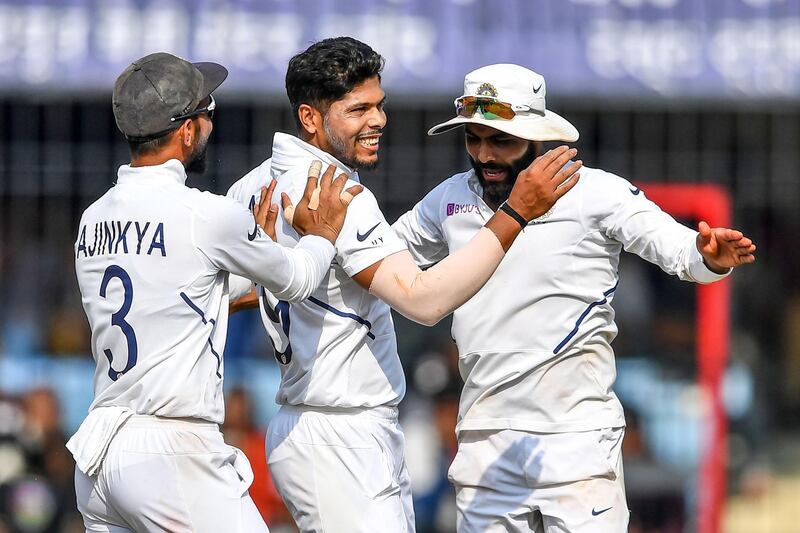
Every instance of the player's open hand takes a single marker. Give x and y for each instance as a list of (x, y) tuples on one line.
[(324, 204), (266, 213), (724, 248), (546, 180)]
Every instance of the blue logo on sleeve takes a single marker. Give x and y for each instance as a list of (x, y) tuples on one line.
[(362, 237)]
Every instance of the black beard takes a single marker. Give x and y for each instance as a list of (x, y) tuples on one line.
[(197, 161), (340, 152), (495, 193)]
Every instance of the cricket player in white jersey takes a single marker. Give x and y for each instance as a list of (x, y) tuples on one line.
[(539, 427), (335, 449), (153, 258)]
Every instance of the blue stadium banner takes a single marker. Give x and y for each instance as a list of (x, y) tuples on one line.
[(605, 48)]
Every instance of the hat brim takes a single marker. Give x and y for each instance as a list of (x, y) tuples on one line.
[(213, 76), (550, 127)]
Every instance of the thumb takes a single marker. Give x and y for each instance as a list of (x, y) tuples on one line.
[(704, 229)]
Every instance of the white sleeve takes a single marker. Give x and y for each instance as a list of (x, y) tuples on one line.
[(238, 286), (627, 216), (230, 240), (421, 230), (366, 237)]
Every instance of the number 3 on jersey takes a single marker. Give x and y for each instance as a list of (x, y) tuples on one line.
[(278, 326), (118, 319)]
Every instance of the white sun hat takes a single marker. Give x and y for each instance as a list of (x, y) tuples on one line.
[(524, 91)]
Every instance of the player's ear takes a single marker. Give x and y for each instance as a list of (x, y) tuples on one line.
[(310, 119), (187, 132)]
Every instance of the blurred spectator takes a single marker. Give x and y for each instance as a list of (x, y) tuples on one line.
[(38, 497), (239, 431), (655, 493), (430, 412)]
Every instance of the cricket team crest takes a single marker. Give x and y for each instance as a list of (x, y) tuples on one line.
[(487, 89)]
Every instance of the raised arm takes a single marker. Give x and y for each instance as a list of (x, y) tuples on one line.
[(428, 296), (233, 242)]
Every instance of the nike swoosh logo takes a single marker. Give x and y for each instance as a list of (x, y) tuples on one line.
[(251, 236), (595, 513), (635, 191), (361, 237), (537, 89), (251, 207)]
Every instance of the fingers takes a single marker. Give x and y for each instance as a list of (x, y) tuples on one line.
[(288, 208), (261, 209), (551, 155), (271, 219), (567, 185), (322, 185), (338, 184), (564, 155), (567, 173), (312, 183), (729, 235), (266, 197), (347, 196)]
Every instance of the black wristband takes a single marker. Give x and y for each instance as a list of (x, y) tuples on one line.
[(507, 209)]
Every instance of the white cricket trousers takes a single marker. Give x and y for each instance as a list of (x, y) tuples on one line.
[(341, 471), (515, 481), (169, 475)]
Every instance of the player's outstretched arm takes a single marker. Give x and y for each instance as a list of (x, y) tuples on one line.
[(723, 248), (427, 297), (322, 209)]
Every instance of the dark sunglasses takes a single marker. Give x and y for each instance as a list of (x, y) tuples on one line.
[(491, 109), (208, 110)]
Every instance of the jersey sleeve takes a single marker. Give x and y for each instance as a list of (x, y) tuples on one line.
[(238, 286), (421, 229), (230, 240), (626, 215), (366, 237)]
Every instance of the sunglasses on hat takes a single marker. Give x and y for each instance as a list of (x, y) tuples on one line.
[(209, 110), (490, 108)]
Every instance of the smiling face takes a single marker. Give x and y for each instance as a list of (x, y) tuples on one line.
[(352, 126), (497, 158)]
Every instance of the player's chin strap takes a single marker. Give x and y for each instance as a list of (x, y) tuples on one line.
[(428, 296)]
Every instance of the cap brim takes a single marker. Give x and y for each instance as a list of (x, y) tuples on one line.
[(550, 127), (213, 76)]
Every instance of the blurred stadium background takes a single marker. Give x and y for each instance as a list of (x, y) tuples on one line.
[(662, 91)]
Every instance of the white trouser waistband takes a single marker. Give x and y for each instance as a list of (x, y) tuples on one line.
[(386, 412), (151, 421)]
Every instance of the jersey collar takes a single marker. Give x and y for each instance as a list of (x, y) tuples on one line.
[(171, 170), (474, 184), (286, 149)]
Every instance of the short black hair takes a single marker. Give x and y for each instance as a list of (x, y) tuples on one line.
[(139, 148), (327, 70)]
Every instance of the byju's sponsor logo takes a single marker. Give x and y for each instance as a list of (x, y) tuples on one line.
[(455, 209)]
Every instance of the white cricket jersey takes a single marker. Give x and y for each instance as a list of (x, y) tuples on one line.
[(338, 347), (152, 259), (535, 342)]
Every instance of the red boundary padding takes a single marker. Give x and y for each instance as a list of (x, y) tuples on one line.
[(712, 204)]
